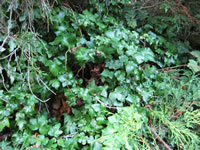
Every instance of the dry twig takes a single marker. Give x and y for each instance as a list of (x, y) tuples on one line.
[(3, 80), (70, 135), (160, 139), (105, 105), (29, 85)]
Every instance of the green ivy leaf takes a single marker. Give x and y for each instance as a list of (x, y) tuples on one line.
[(107, 73), (71, 39), (101, 120), (130, 66), (133, 99), (193, 65), (116, 96), (34, 125), (123, 59), (4, 123), (55, 83), (55, 131), (44, 129), (120, 75), (104, 93), (144, 55), (61, 142), (12, 45), (57, 40), (83, 55), (42, 139), (97, 146), (196, 54), (110, 34), (114, 64), (54, 69)]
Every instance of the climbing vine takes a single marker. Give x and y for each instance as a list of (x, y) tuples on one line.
[(107, 75)]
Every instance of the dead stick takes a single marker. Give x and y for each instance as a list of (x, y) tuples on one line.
[(173, 67), (159, 139)]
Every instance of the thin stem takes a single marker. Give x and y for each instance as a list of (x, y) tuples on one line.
[(184, 65), (29, 85), (70, 135), (8, 55), (4, 100), (105, 105), (45, 85), (160, 139), (3, 80)]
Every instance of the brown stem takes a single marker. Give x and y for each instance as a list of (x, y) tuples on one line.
[(159, 139), (184, 65)]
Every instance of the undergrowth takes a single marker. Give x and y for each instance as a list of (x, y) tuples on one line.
[(98, 79)]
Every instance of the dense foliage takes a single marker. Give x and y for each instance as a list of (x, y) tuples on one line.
[(110, 75)]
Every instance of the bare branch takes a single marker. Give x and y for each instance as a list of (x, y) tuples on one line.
[(173, 67), (4, 41), (45, 84), (3, 80), (147, 7), (8, 55), (4, 100), (105, 105), (70, 135), (159, 139), (29, 85), (47, 108), (7, 37)]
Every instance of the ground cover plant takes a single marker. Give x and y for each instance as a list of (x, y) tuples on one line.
[(107, 75)]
